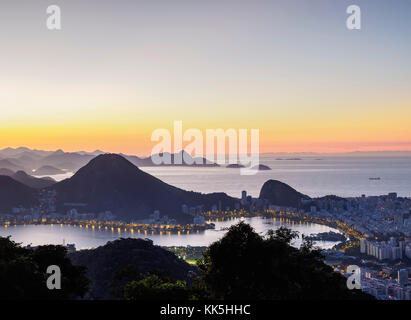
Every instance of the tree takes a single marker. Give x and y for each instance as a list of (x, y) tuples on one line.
[(155, 287), (23, 272), (245, 265), (122, 277)]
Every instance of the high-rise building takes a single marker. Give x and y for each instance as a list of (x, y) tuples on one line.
[(363, 245), (403, 277), (199, 220), (396, 253), (243, 195), (399, 220), (402, 245), (408, 251), (392, 195), (384, 253)]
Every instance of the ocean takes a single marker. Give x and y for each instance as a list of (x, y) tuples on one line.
[(315, 177), (85, 238)]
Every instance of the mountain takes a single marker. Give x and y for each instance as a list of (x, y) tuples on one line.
[(14, 194), (9, 164), (48, 170), (187, 160), (103, 262), (93, 153), (31, 155), (111, 182), (6, 172), (281, 194), (32, 182), (28, 160), (67, 160), (234, 166), (261, 167), (10, 152)]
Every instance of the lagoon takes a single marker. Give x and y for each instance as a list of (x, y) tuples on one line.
[(85, 238)]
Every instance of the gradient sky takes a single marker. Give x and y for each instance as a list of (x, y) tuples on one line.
[(119, 69)]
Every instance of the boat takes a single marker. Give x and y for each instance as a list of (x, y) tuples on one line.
[(378, 178)]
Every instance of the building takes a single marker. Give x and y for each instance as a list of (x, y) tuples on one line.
[(402, 277), (384, 253), (243, 197), (363, 245), (155, 215), (199, 220), (396, 253), (392, 195), (408, 251)]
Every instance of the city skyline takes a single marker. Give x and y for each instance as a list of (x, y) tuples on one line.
[(106, 82), (180, 155)]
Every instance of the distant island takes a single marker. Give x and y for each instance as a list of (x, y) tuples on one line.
[(288, 159), (261, 167), (235, 166)]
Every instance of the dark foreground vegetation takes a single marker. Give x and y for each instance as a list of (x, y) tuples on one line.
[(23, 273), (121, 261), (242, 265)]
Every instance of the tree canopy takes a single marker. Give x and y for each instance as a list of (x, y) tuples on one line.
[(246, 265), (241, 265), (23, 273)]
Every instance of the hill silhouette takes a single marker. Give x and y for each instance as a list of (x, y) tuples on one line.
[(281, 194), (261, 167), (175, 158), (10, 165), (103, 262), (67, 160), (6, 172), (111, 182), (32, 182), (14, 194), (27, 159)]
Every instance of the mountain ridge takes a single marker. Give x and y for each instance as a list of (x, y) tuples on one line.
[(281, 194), (14, 194), (111, 182)]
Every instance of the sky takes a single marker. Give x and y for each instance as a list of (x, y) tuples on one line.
[(120, 69)]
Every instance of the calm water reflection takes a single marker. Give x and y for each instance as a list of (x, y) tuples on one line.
[(90, 238)]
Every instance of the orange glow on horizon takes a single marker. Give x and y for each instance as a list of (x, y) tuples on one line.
[(320, 131)]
